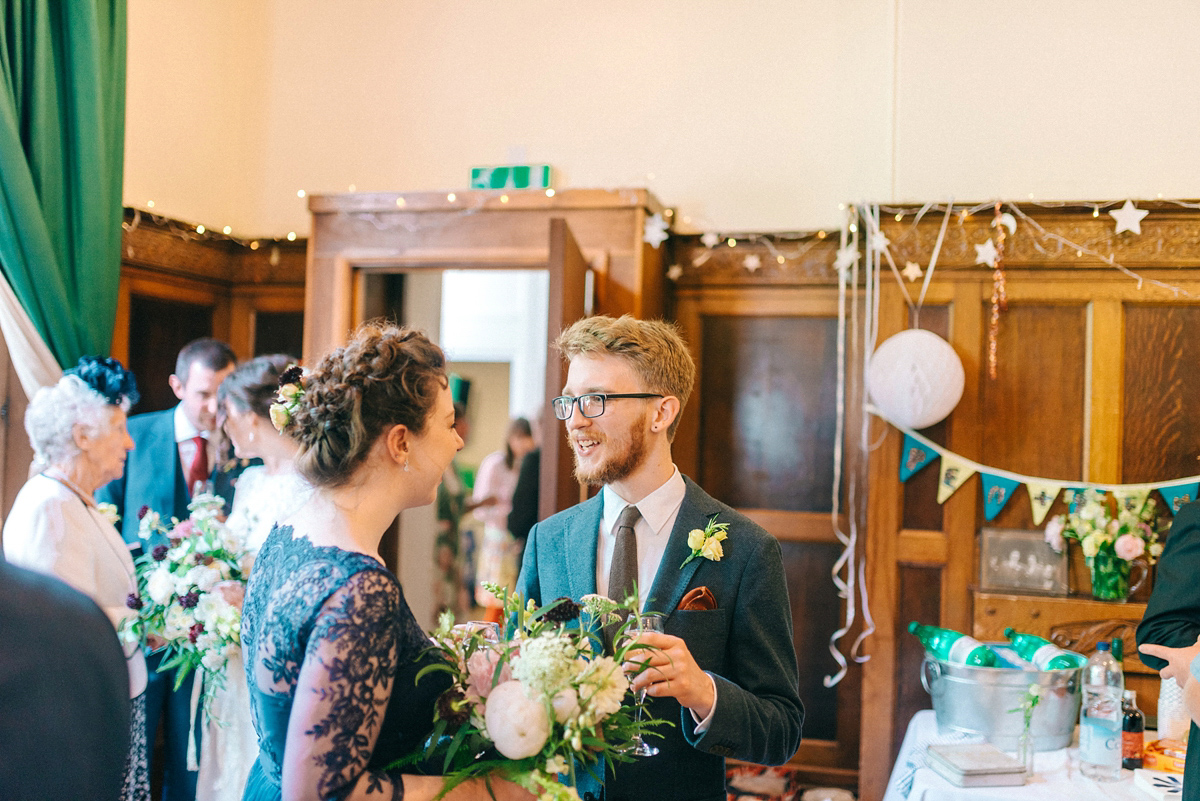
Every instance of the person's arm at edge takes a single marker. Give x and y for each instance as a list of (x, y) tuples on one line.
[(1173, 613)]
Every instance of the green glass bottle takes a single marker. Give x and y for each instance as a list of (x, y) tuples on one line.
[(951, 646), (1044, 654)]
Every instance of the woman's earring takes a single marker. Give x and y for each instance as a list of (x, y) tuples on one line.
[(405, 468)]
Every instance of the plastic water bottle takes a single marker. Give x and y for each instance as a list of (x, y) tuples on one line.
[(1100, 716), (1044, 654), (952, 646)]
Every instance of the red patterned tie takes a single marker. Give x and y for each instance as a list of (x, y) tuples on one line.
[(199, 469)]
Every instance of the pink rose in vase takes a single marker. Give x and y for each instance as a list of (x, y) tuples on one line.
[(1129, 547)]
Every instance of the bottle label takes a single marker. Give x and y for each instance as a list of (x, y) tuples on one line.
[(1100, 741), (1042, 656), (1131, 744), (961, 649)]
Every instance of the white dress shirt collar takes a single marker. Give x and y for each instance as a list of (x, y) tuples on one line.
[(184, 430)]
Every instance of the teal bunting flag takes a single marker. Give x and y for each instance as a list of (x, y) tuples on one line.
[(1179, 494), (915, 456), (997, 490)]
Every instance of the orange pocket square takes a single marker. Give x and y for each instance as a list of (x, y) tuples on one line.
[(699, 598)]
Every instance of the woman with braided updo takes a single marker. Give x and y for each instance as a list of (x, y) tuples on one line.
[(332, 650)]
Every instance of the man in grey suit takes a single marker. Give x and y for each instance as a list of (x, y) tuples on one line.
[(726, 673)]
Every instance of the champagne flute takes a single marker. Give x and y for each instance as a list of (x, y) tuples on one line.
[(651, 621)]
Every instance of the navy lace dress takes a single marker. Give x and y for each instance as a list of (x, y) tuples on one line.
[(327, 633)]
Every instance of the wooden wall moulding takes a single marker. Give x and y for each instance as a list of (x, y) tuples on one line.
[(161, 245), (1170, 237), (808, 260)]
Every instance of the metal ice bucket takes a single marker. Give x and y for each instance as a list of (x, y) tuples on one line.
[(977, 700)]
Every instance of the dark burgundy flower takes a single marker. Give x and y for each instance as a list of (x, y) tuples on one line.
[(142, 512), (452, 707), (159, 553), (175, 541), (195, 631), (201, 559), (292, 375), (562, 610), (189, 600), (134, 601)]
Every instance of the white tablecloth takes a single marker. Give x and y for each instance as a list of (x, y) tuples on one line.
[(1056, 774)]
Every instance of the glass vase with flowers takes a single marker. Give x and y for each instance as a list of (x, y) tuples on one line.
[(1116, 533)]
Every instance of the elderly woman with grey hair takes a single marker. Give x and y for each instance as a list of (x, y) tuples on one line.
[(77, 429)]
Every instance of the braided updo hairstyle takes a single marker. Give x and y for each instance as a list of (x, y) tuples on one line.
[(385, 376)]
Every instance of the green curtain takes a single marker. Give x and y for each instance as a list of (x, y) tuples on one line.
[(62, 138)]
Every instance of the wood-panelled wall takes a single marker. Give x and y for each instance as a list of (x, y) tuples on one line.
[(1096, 380), (176, 284), (759, 434)]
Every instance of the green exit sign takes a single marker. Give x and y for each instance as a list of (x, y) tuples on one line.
[(513, 176)]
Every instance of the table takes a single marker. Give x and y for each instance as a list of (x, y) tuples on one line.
[(1056, 774)]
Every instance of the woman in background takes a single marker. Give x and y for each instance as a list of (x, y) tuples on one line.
[(265, 494), (77, 429), (494, 485), (332, 648)]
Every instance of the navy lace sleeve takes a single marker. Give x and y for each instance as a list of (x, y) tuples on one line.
[(343, 690), (332, 653)]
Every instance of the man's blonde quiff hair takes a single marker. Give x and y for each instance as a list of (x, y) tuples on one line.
[(654, 348)]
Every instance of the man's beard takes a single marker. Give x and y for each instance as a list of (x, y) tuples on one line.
[(616, 466)]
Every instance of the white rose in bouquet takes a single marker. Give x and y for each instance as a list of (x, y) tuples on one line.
[(203, 577), (160, 585), (518, 725)]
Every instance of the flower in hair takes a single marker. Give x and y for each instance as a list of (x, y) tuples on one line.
[(289, 397)]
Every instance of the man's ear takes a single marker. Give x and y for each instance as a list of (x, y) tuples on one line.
[(665, 412), (397, 444), (176, 385)]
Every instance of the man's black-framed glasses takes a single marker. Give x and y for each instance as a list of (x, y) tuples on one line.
[(592, 404)]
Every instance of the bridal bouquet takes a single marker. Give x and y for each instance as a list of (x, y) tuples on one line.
[(190, 592), (537, 706)]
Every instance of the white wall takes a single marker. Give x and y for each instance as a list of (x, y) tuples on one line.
[(746, 116)]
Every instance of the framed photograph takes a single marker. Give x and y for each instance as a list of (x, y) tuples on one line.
[(1020, 560)]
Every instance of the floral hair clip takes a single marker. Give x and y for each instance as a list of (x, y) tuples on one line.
[(289, 397)]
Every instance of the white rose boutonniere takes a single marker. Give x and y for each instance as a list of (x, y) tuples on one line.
[(109, 512), (706, 542)]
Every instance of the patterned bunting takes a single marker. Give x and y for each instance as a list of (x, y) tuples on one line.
[(954, 472), (1179, 494), (1041, 498), (997, 490), (915, 456)]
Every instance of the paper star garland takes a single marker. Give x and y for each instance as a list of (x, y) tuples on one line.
[(1129, 218), (674, 272), (710, 239), (752, 262), (879, 241), (655, 231), (986, 253), (845, 258), (911, 271)]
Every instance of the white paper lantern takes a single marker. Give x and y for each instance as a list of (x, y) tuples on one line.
[(915, 378)]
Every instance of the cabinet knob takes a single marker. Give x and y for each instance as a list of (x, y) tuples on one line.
[(1035, 614), (990, 611)]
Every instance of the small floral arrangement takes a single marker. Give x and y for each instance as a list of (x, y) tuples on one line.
[(1113, 532), (1104, 526), (707, 541), (289, 397), (109, 512), (190, 592), (537, 706)]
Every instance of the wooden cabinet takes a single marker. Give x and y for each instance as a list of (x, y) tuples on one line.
[(1076, 624)]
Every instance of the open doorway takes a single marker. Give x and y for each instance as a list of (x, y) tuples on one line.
[(493, 326)]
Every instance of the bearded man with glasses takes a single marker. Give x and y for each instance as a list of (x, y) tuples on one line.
[(725, 673)]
